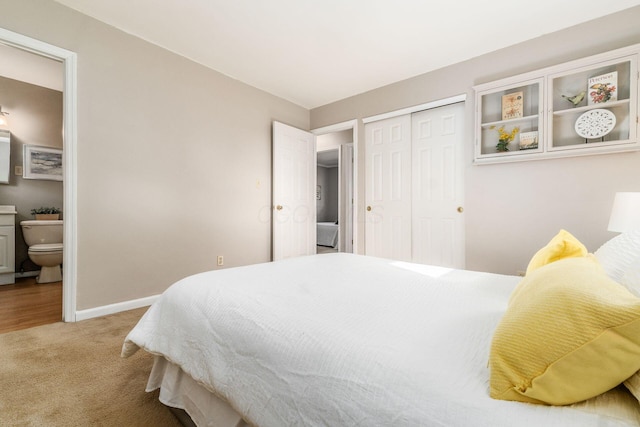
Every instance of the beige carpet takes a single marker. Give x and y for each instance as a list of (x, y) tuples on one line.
[(71, 374)]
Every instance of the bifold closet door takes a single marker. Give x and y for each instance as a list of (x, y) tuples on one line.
[(437, 185), (388, 188)]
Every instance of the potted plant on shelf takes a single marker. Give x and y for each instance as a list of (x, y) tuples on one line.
[(505, 137), (43, 213)]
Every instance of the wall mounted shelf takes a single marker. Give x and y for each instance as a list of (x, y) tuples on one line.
[(607, 81)]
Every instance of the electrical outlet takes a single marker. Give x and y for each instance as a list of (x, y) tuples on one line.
[(18, 170), (220, 260)]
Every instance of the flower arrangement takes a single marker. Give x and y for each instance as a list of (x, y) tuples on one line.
[(504, 137), (601, 92)]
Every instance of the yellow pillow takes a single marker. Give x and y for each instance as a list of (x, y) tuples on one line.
[(563, 245), (569, 334)]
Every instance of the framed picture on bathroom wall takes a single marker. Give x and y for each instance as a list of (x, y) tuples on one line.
[(42, 163)]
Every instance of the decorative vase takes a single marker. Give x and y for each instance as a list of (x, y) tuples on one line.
[(502, 146), (47, 217)]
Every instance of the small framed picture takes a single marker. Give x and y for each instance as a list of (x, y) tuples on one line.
[(42, 163)]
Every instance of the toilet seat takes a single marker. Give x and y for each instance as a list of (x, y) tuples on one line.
[(46, 247)]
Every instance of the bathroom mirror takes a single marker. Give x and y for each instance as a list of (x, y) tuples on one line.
[(5, 156)]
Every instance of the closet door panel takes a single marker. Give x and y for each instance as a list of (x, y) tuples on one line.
[(388, 188), (437, 153)]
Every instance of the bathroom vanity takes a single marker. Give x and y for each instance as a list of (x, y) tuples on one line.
[(7, 244)]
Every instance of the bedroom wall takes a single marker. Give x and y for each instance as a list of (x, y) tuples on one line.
[(513, 209), (174, 159)]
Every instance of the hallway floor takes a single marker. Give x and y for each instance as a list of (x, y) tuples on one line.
[(26, 304)]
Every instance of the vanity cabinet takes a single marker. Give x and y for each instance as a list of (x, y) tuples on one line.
[(588, 106), (7, 245)]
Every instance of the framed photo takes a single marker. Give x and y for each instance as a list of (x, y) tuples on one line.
[(42, 163)]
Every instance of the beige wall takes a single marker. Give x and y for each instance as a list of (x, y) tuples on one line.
[(513, 209), (174, 159), (35, 118)]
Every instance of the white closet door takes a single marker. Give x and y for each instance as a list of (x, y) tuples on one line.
[(294, 192), (437, 213), (388, 188)]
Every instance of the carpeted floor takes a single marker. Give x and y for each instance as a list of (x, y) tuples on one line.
[(71, 374)]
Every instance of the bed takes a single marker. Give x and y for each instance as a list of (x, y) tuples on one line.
[(341, 340), (327, 234)]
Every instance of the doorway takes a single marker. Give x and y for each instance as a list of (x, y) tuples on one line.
[(31, 91), (336, 199), (328, 201), (67, 60)]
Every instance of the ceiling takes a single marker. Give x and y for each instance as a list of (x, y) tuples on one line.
[(328, 159), (314, 52)]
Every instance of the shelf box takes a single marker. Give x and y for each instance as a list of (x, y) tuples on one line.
[(548, 110)]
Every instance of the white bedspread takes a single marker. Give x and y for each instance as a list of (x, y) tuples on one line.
[(327, 234), (345, 340)]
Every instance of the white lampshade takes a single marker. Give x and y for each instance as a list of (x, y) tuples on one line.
[(625, 214)]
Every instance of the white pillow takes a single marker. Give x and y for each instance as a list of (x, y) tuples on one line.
[(620, 258)]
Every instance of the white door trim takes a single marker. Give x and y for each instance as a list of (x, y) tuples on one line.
[(349, 124), (416, 108), (70, 119)]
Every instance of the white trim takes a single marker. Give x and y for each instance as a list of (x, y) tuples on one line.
[(105, 310), (70, 118), (416, 108), (349, 124)]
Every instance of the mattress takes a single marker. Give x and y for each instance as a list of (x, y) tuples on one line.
[(343, 339), (327, 233)]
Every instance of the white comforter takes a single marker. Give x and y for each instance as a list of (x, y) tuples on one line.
[(348, 340)]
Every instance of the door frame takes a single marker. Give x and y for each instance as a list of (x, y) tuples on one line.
[(338, 127), (69, 138)]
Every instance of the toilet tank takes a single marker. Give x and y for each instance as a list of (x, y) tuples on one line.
[(37, 232)]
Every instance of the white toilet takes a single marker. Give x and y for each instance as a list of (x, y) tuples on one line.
[(44, 239)]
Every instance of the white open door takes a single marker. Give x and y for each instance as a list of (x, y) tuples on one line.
[(346, 198), (294, 192)]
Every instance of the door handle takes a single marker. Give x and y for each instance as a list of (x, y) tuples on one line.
[(279, 207), (369, 208), (460, 209)]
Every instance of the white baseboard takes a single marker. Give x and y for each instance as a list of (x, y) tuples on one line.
[(115, 308)]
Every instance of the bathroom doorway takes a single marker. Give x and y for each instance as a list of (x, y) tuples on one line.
[(335, 198), (31, 70)]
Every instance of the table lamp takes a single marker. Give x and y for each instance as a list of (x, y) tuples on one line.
[(625, 214)]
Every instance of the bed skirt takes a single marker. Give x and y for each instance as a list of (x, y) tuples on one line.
[(179, 390)]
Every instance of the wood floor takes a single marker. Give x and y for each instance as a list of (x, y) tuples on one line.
[(26, 304)]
